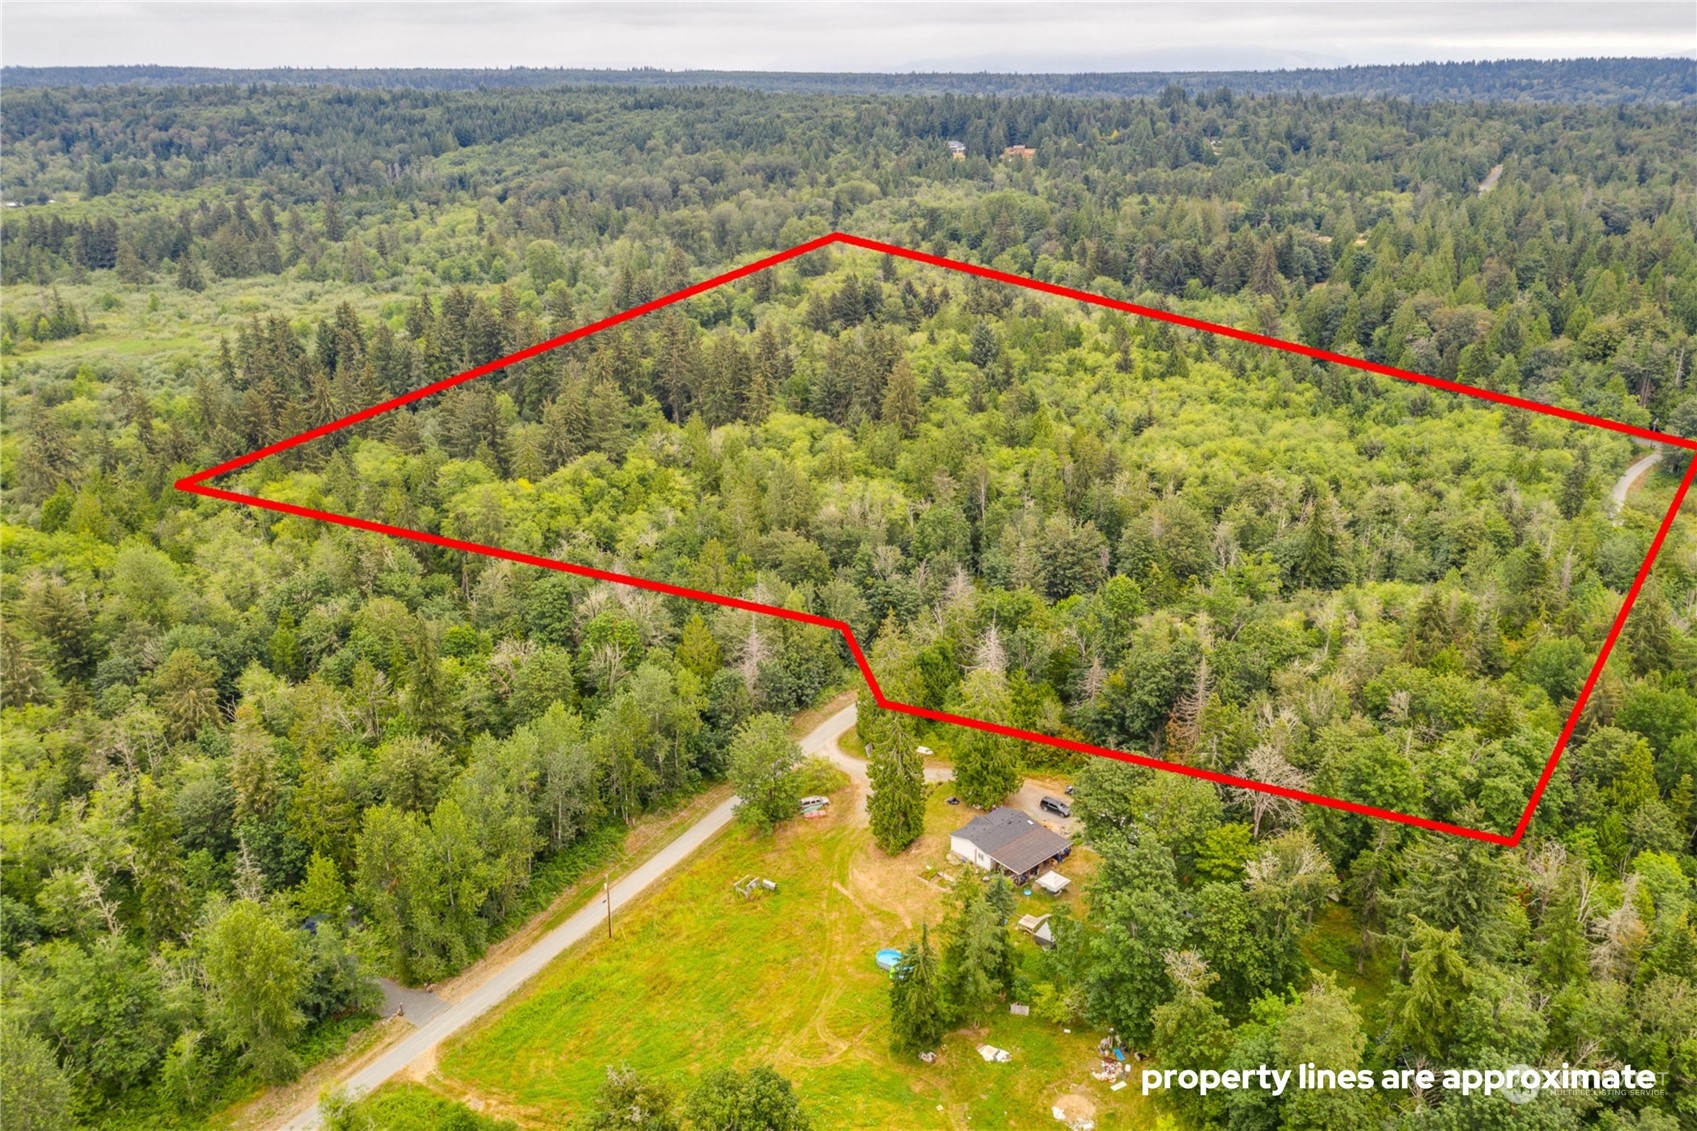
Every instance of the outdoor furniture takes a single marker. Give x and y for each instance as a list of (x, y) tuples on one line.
[(1053, 882)]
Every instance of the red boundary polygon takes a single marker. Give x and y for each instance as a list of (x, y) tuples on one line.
[(197, 484)]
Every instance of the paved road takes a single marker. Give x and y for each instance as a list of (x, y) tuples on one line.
[(1631, 475), (528, 963), (417, 1006)]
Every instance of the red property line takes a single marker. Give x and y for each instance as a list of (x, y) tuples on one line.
[(196, 484)]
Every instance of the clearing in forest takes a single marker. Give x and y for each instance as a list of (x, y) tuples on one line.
[(785, 978)]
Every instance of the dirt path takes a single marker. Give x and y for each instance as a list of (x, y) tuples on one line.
[(1029, 796), (1630, 477), (836, 726)]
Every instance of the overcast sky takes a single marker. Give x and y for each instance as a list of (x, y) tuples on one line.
[(840, 37)]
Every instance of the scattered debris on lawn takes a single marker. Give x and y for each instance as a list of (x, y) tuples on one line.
[(992, 1053), (928, 1057), (750, 886), (1109, 1071), (1077, 1112), (1114, 1063), (1019, 1009)]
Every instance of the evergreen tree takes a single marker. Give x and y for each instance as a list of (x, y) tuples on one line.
[(917, 1015), (157, 863), (1427, 1010), (896, 771), (901, 399), (334, 229), (984, 346), (698, 650), (1573, 493), (129, 266), (986, 769), (977, 961)]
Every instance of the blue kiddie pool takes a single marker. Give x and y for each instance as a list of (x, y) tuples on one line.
[(888, 958)]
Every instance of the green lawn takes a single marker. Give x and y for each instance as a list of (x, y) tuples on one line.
[(413, 1107), (1331, 946), (697, 977)]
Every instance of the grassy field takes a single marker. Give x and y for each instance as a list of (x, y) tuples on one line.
[(698, 977)]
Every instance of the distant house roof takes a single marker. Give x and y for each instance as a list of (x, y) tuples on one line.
[(1012, 839), (1024, 151)]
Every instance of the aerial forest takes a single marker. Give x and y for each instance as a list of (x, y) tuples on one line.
[(254, 761)]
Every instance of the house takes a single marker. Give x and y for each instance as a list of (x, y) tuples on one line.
[(1023, 152), (957, 150), (1010, 840)]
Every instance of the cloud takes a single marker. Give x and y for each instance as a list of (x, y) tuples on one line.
[(832, 36)]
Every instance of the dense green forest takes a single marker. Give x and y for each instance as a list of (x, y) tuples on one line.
[(1669, 80), (221, 725)]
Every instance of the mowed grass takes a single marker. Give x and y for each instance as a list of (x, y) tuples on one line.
[(698, 977)]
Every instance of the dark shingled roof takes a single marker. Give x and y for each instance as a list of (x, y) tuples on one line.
[(1012, 839)]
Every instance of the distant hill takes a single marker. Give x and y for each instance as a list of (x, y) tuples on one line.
[(1670, 80)]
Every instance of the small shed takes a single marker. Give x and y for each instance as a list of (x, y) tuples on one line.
[(1053, 882)]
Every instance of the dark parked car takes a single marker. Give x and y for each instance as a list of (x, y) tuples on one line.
[(1056, 806)]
